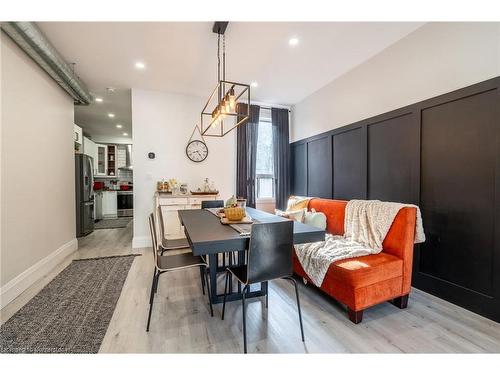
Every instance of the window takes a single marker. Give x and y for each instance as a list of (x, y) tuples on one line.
[(265, 159)]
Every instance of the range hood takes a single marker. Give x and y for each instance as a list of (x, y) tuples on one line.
[(128, 158)]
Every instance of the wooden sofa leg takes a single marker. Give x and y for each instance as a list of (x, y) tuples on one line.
[(401, 302), (355, 316)]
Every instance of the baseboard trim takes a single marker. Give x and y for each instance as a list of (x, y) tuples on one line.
[(37, 271), (141, 241)]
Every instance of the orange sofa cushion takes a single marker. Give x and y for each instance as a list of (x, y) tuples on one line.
[(358, 298), (366, 270)]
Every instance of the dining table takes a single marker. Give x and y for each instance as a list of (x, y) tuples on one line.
[(208, 237)]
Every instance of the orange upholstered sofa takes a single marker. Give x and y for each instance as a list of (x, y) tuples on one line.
[(366, 281)]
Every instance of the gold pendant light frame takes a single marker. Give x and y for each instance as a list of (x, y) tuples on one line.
[(218, 123)]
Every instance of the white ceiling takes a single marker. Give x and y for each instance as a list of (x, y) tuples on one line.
[(94, 118), (181, 56)]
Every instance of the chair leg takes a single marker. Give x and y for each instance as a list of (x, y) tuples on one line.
[(225, 293), (202, 269), (298, 305), (401, 302), (152, 296), (156, 283), (244, 320), (355, 316), (153, 282), (208, 292)]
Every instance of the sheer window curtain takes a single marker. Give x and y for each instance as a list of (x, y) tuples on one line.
[(281, 142), (246, 157)]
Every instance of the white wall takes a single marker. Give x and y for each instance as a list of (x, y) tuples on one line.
[(162, 123), (37, 172), (433, 60)]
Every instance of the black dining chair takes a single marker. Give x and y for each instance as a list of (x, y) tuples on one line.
[(269, 258), (169, 263), (219, 204), (212, 204)]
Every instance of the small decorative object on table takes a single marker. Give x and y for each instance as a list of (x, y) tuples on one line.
[(207, 188), (231, 202), (234, 213), (241, 202), (162, 187), (173, 186)]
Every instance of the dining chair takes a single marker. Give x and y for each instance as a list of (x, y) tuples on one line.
[(220, 204), (168, 244), (269, 258), (169, 263), (174, 244), (212, 204)]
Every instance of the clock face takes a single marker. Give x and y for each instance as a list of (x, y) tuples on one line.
[(197, 151)]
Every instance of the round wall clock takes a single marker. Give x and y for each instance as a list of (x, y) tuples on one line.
[(197, 151)]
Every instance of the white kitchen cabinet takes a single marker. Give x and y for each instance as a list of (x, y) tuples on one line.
[(89, 148), (109, 204), (170, 205), (78, 136), (101, 159)]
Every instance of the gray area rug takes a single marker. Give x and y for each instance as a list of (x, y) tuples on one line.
[(121, 222), (70, 314)]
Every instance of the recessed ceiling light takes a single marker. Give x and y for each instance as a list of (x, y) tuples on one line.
[(254, 84), (140, 65), (111, 115), (125, 134), (119, 126), (98, 100), (293, 41)]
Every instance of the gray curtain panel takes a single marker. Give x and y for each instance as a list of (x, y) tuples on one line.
[(247, 134), (281, 141)]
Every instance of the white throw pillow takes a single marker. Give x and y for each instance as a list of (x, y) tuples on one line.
[(315, 219), (297, 215)]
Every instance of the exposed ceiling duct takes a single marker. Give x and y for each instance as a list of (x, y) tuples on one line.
[(32, 41)]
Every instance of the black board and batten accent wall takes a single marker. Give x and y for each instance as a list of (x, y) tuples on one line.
[(442, 154)]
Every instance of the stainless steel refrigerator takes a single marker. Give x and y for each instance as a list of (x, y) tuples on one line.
[(84, 181)]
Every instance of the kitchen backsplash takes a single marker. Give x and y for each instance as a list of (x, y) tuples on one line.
[(123, 177)]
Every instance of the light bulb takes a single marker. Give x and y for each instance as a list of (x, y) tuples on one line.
[(232, 100), (227, 104)]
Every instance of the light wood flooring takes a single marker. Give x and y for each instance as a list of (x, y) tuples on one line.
[(181, 322)]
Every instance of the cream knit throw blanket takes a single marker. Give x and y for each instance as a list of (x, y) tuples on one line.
[(366, 225)]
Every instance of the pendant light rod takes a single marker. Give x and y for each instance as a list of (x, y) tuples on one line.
[(220, 27)]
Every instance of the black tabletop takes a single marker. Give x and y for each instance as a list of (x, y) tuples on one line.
[(207, 235)]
